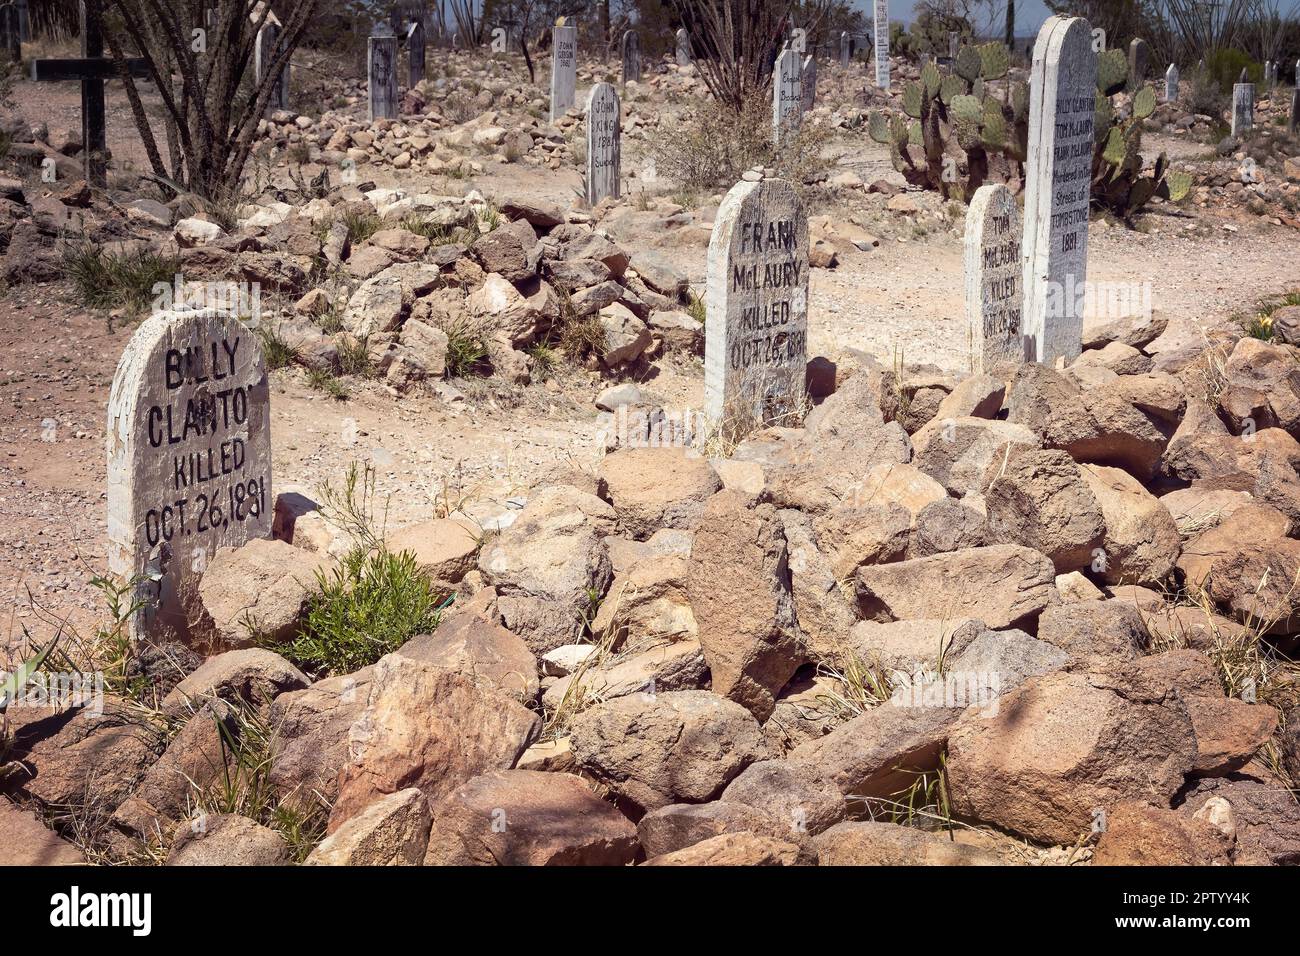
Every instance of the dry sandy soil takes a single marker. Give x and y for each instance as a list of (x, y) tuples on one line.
[(905, 296)]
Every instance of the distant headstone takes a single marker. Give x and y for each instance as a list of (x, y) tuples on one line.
[(1268, 74), (604, 150), (756, 339), (1058, 172), (1243, 108), (683, 48), (264, 54), (564, 69), (1139, 56), (1171, 84), (24, 22), (415, 49), (787, 98), (11, 34), (954, 44), (881, 27), (846, 49), (808, 84), (189, 458), (631, 57), (993, 276), (1293, 121), (382, 71)]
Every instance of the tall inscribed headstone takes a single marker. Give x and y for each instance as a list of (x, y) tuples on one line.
[(756, 339), (683, 48), (846, 48), (881, 37), (808, 84), (1171, 84), (1243, 106), (604, 151), (631, 57), (265, 51), (381, 69), (415, 49), (993, 277), (564, 69), (787, 98), (1058, 173), (189, 458)]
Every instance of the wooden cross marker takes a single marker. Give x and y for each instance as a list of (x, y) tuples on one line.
[(91, 70)]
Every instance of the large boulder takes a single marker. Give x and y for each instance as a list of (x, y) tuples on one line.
[(1003, 585), (549, 564), (739, 587), (1262, 386), (957, 452), (445, 548), (309, 742), (852, 534), (428, 727), (482, 649), (26, 841), (821, 607), (732, 849), (227, 839), (1095, 631), (653, 488), (254, 675), (392, 831), (793, 794), (259, 590), (1229, 732), (517, 315), (510, 250), (1138, 834), (678, 747), (528, 818), (890, 844), (1141, 542)]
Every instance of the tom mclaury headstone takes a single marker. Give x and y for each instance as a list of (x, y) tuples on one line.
[(756, 343), (189, 457), (382, 71), (808, 84), (993, 277), (631, 57), (604, 151), (786, 96), (881, 36), (1058, 172), (564, 69)]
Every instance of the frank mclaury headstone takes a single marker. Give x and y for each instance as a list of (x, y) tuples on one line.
[(1058, 173), (993, 277), (756, 344), (564, 69), (189, 457), (604, 150)]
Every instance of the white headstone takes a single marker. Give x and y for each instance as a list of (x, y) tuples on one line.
[(756, 339), (1171, 84), (683, 48), (604, 151), (993, 277), (881, 35), (954, 44), (564, 69), (1058, 172), (631, 57), (846, 48), (808, 84), (786, 96), (382, 71), (1243, 108), (189, 457)]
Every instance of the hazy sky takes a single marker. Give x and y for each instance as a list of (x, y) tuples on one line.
[(1030, 14)]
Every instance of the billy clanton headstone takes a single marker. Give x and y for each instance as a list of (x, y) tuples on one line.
[(564, 69), (993, 276), (189, 458), (1058, 174), (604, 151), (756, 343)]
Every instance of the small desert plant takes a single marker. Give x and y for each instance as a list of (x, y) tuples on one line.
[(711, 145), (354, 356), (696, 307), (544, 359), (106, 280), (360, 225), (323, 381), (467, 349), (277, 352)]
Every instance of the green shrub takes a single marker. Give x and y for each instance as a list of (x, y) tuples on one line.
[(467, 349), (1225, 67), (277, 352), (105, 280), (361, 225), (368, 607)]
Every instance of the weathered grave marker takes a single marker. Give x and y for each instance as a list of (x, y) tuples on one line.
[(631, 57), (415, 50), (1293, 123), (846, 48), (189, 457), (954, 44), (1243, 106), (1171, 84), (881, 36), (1058, 171), (382, 60), (604, 149), (564, 69), (993, 276), (11, 33), (756, 340), (265, 49), (786, 96), (683, 48), (91, 71), (1139, 56), (807, 84)]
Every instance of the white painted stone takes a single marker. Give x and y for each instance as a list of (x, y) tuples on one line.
[(1243, 108), (786, 96), (846, 48), (381, 60), (189, 458), (683, 48), (881, 35), (808, 84), (1058, 170), (604, 149), (631, 57), (993, 277), (1171, 84), (756, 338), (564, 69)]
